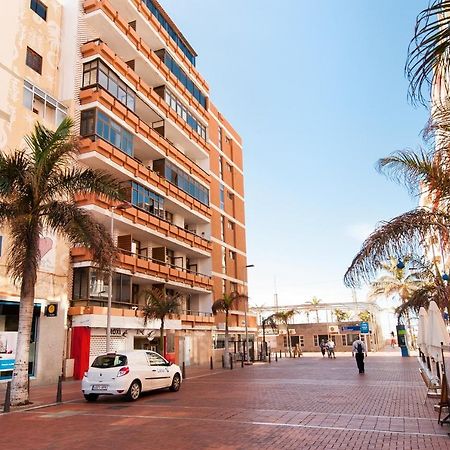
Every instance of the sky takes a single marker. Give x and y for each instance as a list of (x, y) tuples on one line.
[(317, 91)]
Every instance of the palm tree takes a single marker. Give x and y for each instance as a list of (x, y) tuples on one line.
[(225, 305), (341, 316), (284, 317), (38, 187), (314, 305), (365, 316), (158, 304), (268, 321), (428, 62)]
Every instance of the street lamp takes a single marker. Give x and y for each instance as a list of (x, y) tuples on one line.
[(108, 311), (247, 354)]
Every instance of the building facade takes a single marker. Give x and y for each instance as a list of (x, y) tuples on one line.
[(126, 74)]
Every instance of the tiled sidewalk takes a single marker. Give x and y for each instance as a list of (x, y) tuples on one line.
[(307, 403)]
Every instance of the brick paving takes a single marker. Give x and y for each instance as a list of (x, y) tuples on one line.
[(307, 403)]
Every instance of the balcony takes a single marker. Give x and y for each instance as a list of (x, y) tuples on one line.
[(99, 154), (151, 268), (146, 133), (113, 28), (138, 222)]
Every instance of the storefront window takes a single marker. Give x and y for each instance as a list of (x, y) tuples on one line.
[(9, 326)]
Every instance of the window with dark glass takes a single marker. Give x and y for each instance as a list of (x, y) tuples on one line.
[(39, 8), (172, 33), (182, 180), (181, 76), (147, 200), (34, 60), (222, 197), (98, 73), (182, 111), (95, 122)]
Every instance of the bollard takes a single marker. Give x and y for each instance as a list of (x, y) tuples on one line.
[(280, 354), (223, 361), (231, 361), (59, 390), (269, 358), (7, 405), (211, 363), (242, 361), (183, 370), (276, 357), (28, 386)]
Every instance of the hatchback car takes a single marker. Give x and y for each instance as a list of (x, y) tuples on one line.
[(129, 374)]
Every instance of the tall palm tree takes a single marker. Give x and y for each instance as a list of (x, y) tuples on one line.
[(267, 322), (225, 305), (284, 317), (158, 304), (365, 316), (38, 187), (315, 306), (428, 62)]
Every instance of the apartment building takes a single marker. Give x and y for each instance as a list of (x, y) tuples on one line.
[(127, 75)]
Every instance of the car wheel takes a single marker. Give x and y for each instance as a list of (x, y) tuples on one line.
[(176, 383), (134, 391), (91, 397)]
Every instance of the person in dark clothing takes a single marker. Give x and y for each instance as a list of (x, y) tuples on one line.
[(323, 347), (358, 351)]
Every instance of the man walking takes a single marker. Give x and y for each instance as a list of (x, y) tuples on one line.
[(359, 350)]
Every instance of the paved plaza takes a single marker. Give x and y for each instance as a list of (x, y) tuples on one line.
[(306, 403)]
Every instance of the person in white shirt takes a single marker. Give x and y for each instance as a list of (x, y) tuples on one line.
[(358, 351), (330, 348)]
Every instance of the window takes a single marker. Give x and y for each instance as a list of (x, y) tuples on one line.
[(172, 33), (230, 225), (351, 338), (344, 339), (220, 138), (232, 255), (95, 122), (39, 8), (229, 167), (182, 180), (182, 111), (221, 167), (302, 341), (96, 72), (222, 228), (233, 286), (147, 200), (316, 340), (34, 60), (182, 77), (107, 361), (230, 195), (43, 104), (224, 286), (222, 197), (224, 260)]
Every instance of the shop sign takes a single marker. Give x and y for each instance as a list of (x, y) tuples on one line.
[(364, 326), (351, 328), (115, 332), (51, 310)]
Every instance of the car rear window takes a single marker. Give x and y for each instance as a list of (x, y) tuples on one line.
[(106, 361)]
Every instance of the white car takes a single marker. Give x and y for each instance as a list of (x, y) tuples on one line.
[(129, 373)]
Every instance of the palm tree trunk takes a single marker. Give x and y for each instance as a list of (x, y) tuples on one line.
[(289, 340), (226, 356), (161, 339), (317, 315), (19, 384), (264, 351)]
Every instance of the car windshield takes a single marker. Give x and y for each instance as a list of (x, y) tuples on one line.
[(106, 361)]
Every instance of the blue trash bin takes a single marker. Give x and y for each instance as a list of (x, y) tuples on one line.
[(405, 350)]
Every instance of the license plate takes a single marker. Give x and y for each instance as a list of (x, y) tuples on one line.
[(99, 387)]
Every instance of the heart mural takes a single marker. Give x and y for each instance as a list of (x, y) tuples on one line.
[(45, 245)]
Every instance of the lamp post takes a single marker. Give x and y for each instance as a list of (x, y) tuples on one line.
[(247, 353), (108, 311)]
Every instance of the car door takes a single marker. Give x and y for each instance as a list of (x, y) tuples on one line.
[(141, 369), (159, 370)]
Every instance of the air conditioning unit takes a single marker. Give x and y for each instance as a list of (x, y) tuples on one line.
[(333, 329)]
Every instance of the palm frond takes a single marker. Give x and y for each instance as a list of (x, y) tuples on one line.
[(402, 235), (158, 304), (428, 59), (13, 173)]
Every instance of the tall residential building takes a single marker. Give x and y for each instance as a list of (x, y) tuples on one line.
[(127, 75)]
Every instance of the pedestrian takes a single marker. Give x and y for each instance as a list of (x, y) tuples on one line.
[(358, 351), (323, 347), (330, 348), (392, 339)]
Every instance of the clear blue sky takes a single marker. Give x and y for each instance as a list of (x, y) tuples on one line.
[(317, 91)]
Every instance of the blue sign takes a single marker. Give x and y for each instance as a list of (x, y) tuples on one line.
[(6, 364), (364, 326), (350, 328)]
